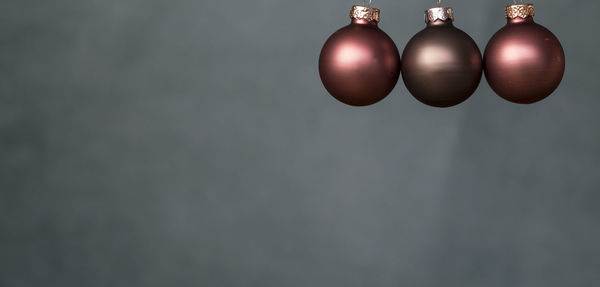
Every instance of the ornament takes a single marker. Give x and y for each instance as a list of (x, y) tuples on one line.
[(441, 65), (359, 64), (524, 62)]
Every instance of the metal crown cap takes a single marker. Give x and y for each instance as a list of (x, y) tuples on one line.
[(439, 13), (519, 10), (364, 13)]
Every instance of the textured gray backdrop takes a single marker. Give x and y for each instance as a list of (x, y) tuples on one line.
[(191, 143)]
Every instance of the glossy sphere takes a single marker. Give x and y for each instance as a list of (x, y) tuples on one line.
[(524, 62), (359, 64), (441, 65)]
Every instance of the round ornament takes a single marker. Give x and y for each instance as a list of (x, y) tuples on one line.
[(441, 65), (359, 64), (524, 62)]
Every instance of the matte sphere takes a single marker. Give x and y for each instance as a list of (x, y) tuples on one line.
[(441, 65), (359, 64), (524, 62)]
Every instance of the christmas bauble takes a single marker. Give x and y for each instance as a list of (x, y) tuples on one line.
[(441, 65), (360, 64), (524, 62)]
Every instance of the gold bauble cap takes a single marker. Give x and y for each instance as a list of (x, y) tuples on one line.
[(439, 13), (364, 13), (520, 11)]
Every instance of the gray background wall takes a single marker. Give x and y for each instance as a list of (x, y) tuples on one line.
[(191, 143)]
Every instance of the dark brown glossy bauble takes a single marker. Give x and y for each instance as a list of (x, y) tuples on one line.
[(441, 65), (524, 62), (359, 64)]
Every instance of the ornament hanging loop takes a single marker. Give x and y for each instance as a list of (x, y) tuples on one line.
[(439, 3), (365, 3)]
